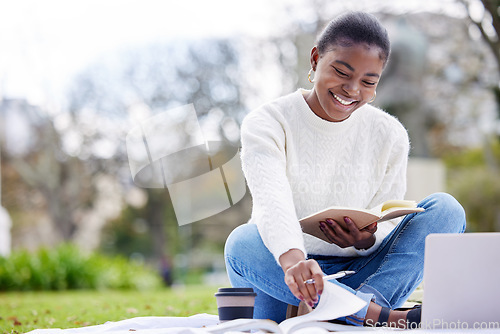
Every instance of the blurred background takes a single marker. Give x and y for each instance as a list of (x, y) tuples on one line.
[(76, 76)]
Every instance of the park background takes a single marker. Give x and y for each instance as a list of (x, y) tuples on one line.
[(77, 76)]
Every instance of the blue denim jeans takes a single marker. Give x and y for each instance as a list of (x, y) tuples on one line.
[(387, 276)]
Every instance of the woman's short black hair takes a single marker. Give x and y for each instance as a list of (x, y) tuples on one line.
[(355, 28)]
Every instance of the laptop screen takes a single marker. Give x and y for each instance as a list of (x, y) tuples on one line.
[(462, 281)]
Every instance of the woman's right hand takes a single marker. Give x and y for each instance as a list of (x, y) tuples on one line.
[(297, 270)]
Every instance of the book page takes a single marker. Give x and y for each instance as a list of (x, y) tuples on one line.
[(398, 212), (387, 205), (244, 325), (335, 302)]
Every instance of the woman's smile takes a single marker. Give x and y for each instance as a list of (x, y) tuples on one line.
[(344, 102), (343, 106)]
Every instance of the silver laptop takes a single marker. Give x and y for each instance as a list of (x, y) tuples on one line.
[(462, 281)]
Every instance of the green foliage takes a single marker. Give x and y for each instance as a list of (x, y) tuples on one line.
[(150, 231), (478, 190), (465, 159), (66, 267), (476, 185)]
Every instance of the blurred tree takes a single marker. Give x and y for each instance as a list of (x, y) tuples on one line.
[(130, 86), (485, 16), (65, 186), (401, 89)]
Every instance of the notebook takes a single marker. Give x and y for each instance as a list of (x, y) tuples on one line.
[(461, 281)]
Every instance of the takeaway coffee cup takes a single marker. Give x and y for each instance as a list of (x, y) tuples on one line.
[(235, 303)]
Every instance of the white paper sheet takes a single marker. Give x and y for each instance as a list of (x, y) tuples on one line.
[(335, 302)]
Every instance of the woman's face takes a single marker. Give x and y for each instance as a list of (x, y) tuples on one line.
[(345, 79)]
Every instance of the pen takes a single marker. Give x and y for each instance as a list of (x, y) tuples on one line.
[(336, 275)]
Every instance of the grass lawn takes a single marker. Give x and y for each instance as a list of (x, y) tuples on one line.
[(22, 312)]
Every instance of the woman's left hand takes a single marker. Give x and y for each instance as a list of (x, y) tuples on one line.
[(352, 236)]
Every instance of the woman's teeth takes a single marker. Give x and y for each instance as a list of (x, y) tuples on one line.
[(344, 102)]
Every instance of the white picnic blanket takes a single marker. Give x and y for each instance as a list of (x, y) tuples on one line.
[(144, 325)]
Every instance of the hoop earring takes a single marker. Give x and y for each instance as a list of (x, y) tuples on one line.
[(309, 76), (373, 98)]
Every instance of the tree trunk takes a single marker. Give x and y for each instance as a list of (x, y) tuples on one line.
[(156, 221)]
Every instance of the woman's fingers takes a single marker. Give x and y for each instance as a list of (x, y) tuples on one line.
[(318, 282), (336, 233), (292, 285), (353, 228), (348, 236), (327, 231), (296, 276), (309, 292), (372, 228)]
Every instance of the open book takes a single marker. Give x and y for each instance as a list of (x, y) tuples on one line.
[(361, 217), (335, 302), (269, 326)]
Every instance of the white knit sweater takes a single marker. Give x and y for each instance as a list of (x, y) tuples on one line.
[(296, 163)]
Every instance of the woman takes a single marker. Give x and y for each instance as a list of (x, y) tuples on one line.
[(327, 146)]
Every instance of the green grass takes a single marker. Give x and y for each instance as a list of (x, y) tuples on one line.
[(22, 312)]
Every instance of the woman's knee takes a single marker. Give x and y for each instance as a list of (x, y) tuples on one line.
[(450, 213), (241, 239)]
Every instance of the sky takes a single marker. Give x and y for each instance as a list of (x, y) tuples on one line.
[(44, 43)]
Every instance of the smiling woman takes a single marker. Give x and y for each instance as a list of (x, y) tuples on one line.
[(348, 61), (323, 147), (345, 80)]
